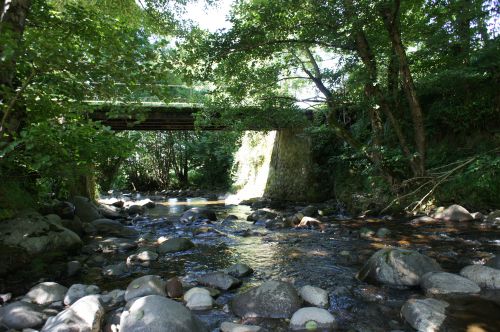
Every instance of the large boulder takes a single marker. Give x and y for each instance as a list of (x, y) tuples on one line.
[(197, 214), (273, 299), (454, 212), (175, 245), (155, 313), (21, 315), (484, 276), (145, 285), (397, 267), (315, 319), (219, 280), (36, 234), (85, 315), (110, 227), (46, 293), (85, 209), (444, 283), (425, 315)]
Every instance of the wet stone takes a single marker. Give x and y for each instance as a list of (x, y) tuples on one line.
[(175, 245), (198, 299), (85, 315), (273, 299), (239, 270), (46, 293), (314, 295), (232, 327), (425, 315), (174, 288), (219, 280), (146, 285), (397, 267), (155, 313), (20, 315), (444, 283), (312, 319), (484, 276), (77, 291)]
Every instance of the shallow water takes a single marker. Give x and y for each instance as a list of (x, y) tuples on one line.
[(328, 259)]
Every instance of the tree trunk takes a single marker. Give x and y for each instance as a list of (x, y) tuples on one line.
[(390, 17), (372, 90), (12, 23)]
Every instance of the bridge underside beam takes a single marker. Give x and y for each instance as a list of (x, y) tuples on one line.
[(154, 120)]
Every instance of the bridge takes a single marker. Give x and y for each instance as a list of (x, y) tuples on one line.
[(148, 115)]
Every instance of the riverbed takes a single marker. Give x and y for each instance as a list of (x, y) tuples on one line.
[(328, 258)]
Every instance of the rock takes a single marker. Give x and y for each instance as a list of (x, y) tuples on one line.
[(175, 245), (383, 232), (239, 270), (261, 215), (110, 227), (118, 204), (309, 222), (312, 319), (115, 270), (73, 268), (423, 220), (197, 214), (145, 285), (116, 244), (455, 212), (484, 276), (142, 257), (136, 209), (65, 210), (425, 315), (198, 299), (109, 212), (155, 313), (273, 299), (477, 216), (365, 232), (85, 209), (5, 298), (36, 234), (113, 299), (494, 262), (493, 217), (46, 293), (232, 327), (313, 295), (174, 288), (219, 280), (77, 291), (85, 315), (444, 283), (21, 315), (397, 267), (309, 211)]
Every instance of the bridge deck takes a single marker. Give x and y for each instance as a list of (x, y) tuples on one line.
[(155, 116)]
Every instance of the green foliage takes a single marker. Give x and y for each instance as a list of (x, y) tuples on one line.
[(164, 160)]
